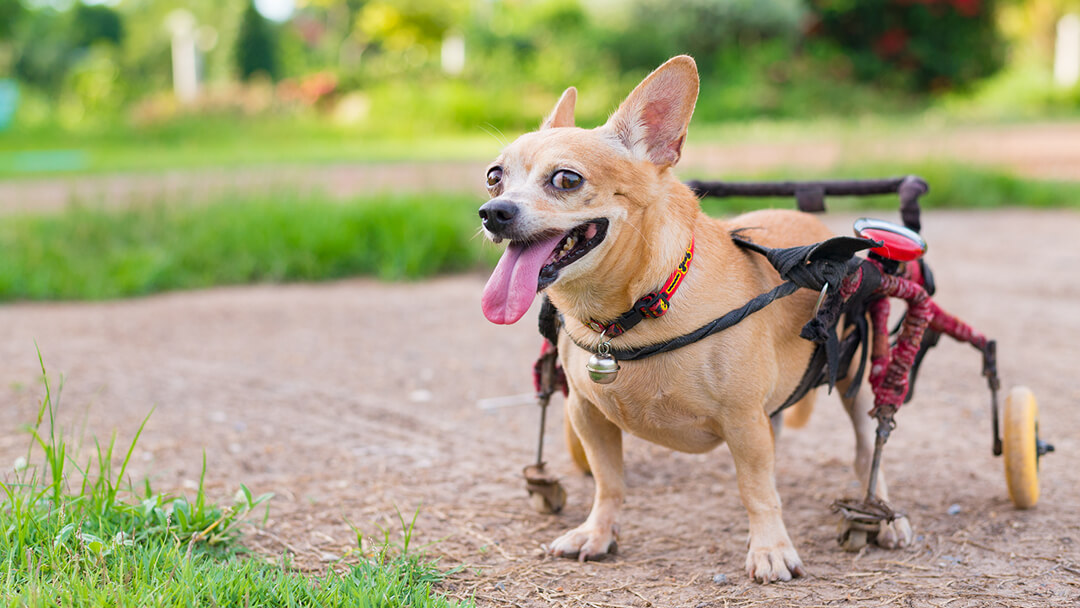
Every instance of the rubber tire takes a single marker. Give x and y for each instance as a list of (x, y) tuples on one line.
[(1018, 446)]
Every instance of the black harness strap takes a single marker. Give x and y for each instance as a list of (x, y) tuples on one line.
[(717, 325), (808, 266), (833, 354)]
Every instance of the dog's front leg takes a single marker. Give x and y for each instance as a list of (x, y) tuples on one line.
[(602, 441), (772, 556)]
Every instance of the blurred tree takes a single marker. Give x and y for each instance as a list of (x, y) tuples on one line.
[(97, 23), (321, 36), (256, 45), (401, 24), (10, 13), (147, 43), (936, 44), (399, 36), (48, 43), (706, 29), (43, 49)]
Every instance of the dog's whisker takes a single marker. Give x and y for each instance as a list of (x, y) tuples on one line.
[(638, 231), (497, 135), (479, 233)]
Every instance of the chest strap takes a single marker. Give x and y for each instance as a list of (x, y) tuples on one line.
[(808, 266)]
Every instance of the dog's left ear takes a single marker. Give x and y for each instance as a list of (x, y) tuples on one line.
[(652, 121), (563, 114)]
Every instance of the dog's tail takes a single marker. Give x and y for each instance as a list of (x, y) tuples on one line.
[(798, 414)]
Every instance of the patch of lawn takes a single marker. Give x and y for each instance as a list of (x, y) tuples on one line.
[(219, 144), (229, 142), (71, 535), (94, 253)]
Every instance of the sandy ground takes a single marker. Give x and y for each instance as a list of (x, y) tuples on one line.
[(355, 399)]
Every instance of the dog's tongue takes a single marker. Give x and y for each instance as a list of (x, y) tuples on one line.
[(512, 286)]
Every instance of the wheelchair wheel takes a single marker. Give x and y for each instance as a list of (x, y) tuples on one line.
[(1020, 447)]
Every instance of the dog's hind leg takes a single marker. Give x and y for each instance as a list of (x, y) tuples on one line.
[(573, 444), (602, 443), (777, 423), (798, 414), (898, 533), (795, 416)]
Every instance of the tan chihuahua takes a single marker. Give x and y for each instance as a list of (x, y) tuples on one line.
[(596, 219)]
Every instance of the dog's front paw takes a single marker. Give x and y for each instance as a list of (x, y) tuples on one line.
[(895, 535), (771, 564), (585, 542)]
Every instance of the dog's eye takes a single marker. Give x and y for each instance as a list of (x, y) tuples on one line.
[(494, 176), (566, 180)]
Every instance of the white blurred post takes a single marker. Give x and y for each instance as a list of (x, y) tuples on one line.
[(185, 60), (1067, 51), (453, 54)]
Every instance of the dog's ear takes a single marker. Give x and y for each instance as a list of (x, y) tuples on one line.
[(563, 114), (652, 121)]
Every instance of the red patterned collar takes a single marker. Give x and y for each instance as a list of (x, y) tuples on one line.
[(653, 304)]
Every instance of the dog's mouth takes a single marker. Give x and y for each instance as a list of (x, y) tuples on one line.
[(578, 242), (528, 266)]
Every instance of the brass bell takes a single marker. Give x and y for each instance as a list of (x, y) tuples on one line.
[(603, 368)]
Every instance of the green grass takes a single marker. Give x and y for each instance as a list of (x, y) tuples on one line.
[(216, 142), (93, 253), (219, 143), (73, 536)]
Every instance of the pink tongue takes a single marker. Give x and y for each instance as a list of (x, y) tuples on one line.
[(512, 286)]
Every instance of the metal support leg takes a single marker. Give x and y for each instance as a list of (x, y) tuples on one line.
[(545, 492), (884, 428), (862, 520), (990, 373), (543, 401)]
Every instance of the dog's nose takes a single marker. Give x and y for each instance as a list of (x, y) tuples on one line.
[(498, 216)]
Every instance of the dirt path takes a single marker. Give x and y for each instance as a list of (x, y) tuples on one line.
[(351, 399), (1035, 150)]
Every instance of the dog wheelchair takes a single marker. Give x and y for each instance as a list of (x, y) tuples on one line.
[(851, 319)]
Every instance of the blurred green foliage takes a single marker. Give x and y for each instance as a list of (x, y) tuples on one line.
[(256, 46), (709, 30), (377, 66), (10, 12), (754, 59), (928, 45), (94, 23)]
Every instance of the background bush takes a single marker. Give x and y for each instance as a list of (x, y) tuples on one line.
[(709, 30), (923, 44)]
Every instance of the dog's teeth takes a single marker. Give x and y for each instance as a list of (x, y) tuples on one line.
[(570, 242)]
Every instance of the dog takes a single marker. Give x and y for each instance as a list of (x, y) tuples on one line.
[(595, 219)]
